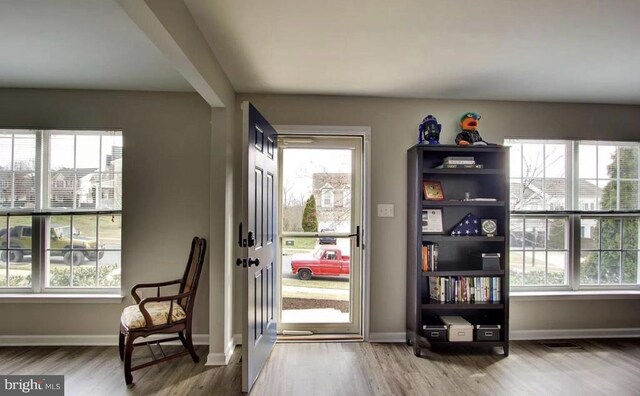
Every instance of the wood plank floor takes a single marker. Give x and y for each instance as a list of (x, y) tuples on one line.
[(603, 367)]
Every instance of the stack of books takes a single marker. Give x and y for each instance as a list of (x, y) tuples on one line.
[(459, 162), (429, 256), (464, 289)]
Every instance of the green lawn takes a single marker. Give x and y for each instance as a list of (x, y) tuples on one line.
[(300, 243), (317, 283), (110, 226)]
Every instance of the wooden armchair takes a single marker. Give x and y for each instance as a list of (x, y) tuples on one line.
[(162, 314)]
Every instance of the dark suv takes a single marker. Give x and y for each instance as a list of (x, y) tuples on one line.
[(326, 240), (59, 243)]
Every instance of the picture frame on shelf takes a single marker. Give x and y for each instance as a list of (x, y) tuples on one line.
[(432, 221), (432, 190)]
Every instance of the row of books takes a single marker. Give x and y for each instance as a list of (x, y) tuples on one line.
[(464, 289), (459, 162), (429, 256)]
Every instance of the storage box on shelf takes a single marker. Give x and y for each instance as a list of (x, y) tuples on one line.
[(458, 329), (453, 283)]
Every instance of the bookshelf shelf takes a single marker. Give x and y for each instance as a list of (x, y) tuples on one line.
[(464, 273), (452, 306), (464, 171), (457, 256), (449, 238), (437, 204), (447, 149), (469, 344)]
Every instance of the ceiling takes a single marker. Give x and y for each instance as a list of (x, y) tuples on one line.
[(546, 50), (82, 44)]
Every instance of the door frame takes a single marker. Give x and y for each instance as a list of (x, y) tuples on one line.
[(365, 133)]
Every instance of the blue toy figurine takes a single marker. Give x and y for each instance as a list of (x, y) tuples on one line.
[(429, 131)]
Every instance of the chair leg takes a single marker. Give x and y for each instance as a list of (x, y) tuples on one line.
[(128, 351), (121, 344), (185, 338)]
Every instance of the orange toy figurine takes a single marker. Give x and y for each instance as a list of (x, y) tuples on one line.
[(470, 134)]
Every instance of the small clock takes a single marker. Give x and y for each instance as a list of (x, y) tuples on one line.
[(489, 227)]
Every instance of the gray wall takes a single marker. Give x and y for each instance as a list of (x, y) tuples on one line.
[(394, 124), (167, 140)]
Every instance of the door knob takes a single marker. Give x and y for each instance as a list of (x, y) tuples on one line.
[(242, 262), (255, 262)]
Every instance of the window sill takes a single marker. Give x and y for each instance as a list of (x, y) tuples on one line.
[(575, 295), (61, 298)]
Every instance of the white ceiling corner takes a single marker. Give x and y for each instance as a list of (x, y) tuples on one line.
[(73, 44), (547, 50)]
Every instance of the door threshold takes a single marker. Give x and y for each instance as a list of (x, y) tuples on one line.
[(320, 338)]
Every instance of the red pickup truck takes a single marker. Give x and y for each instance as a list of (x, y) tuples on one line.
[(327, 260)]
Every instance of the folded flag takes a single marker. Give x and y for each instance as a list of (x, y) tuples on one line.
[(469, 226)]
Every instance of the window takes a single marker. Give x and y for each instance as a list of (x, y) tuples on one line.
[(60, 210), (560, 188), (609, 251), (327, 197)]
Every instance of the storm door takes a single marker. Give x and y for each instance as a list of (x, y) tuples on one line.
[(320, 284)]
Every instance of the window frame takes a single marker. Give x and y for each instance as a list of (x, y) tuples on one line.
[(569, 253), (42, 212), (326, 193), (574, 218)]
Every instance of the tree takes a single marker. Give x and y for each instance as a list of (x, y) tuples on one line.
[(292, 206), (609, 228), (310, 215), (531, 187)]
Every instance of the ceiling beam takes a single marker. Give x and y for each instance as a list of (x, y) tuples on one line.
[(171, 28)]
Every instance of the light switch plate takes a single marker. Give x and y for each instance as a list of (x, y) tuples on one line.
[(385, 210)]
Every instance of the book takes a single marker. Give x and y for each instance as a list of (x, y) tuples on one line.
[(464, 289), (460, 166), (456, 158), (425, 258), (458, 162), (429, 256)]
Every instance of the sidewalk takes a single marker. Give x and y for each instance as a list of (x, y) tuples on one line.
[(315, 292)]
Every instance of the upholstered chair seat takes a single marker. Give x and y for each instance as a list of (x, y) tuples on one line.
[(159, 311)]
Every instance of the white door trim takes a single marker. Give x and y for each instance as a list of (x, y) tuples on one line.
[(365, 133)]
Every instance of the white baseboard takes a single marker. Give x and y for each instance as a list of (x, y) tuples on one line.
[(523, 335), (563, 334), (216, 359), (88, 340), (222, 359)]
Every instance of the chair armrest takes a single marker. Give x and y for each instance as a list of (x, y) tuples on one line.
[(135, 295), (147, 316)]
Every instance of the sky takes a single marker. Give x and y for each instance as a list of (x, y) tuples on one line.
[(300, 164)]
